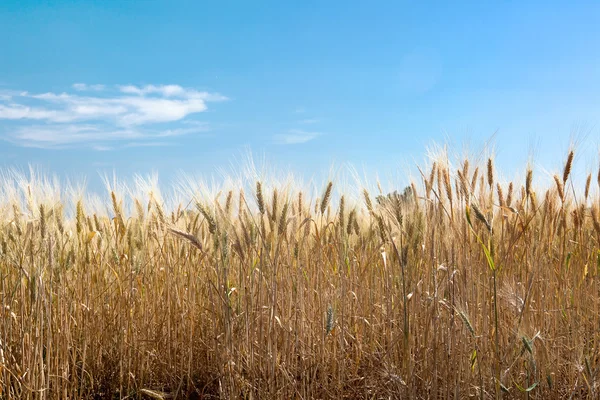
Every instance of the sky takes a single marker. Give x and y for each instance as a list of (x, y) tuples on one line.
[(170, 86)]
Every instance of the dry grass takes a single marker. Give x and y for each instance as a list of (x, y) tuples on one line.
[(478, 289)]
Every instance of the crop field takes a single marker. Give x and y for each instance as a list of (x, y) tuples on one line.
[(459, 285)]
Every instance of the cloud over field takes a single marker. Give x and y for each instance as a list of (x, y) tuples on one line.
[(95, 114), (295, 136)]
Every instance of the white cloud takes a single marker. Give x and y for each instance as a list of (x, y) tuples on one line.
[(6, 95), (129, 112), (101, 148), (148, 144), (143, 110), (60, 135), (19, 111), (126, 110), (295, 136), (84, 86), (171, 91), (165, 90), (196, 128), (65, 135)]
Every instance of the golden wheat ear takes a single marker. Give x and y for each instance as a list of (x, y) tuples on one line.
[(190, 238), (326, 197), (568, 165)]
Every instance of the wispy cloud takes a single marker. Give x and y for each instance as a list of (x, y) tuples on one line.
[(85, 86), (101, 148), (60, 135), (195, 128), (19, 111), (149, 144), (102, 114), (295, 136), (165, 90)]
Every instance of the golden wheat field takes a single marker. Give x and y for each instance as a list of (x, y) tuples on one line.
[(460, 285)]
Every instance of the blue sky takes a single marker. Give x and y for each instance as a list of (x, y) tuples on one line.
[(164, 86)]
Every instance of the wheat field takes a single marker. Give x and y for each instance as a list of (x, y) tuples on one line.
[(460, 285)]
